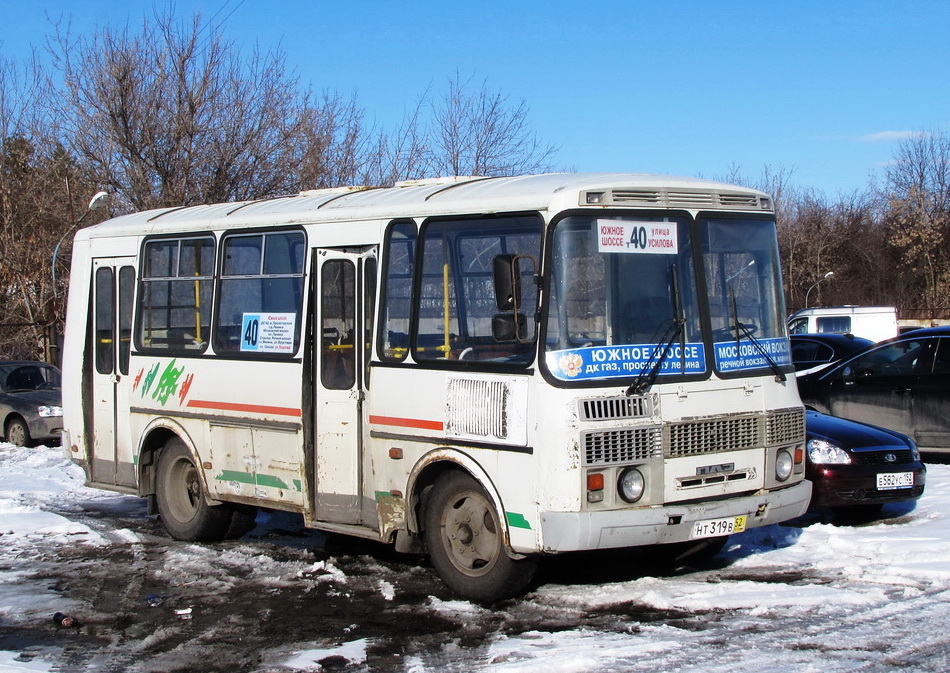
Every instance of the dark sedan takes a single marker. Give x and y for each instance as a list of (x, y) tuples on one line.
[(813, 350), (859, 468), (902, 384), (30, 402)]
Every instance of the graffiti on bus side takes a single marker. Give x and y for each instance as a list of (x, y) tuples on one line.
[(162, 386)]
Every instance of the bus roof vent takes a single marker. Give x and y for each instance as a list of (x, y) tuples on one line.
[(739, 200), (684, 198), (636, 196), (688, 199)]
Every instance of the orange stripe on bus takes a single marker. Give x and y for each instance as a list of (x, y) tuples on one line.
[(250, 408), (407, 423)]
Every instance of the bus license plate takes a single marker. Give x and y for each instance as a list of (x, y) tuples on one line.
[(717, 527), (891, 480)]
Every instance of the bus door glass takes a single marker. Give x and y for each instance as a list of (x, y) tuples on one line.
[(344, 303), (113, 289)]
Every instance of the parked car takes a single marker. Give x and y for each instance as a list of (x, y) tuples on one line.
[(856, 467), (813, 350), (902, 384), (31, 409)]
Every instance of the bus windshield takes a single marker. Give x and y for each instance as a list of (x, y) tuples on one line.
[(626, 298), (744, 288)]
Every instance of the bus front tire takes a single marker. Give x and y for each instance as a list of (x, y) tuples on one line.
[(465, 542), (180, 496)]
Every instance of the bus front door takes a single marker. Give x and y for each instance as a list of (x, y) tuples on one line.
[(344, 299), (111, 461)]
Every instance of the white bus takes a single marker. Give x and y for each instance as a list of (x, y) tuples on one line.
[(487, 369)]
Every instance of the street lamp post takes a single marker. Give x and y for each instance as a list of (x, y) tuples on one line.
[(99, 201), (823, 278)]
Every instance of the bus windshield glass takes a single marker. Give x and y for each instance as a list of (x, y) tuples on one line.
[(623, 297), (744, 288), (626, 298)]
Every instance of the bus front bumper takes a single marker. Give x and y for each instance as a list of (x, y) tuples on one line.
[(576, 531)]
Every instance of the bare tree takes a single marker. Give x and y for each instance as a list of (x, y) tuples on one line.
[(174, 115), (401, 154), (41, 190), (480, 133), (918, 214)]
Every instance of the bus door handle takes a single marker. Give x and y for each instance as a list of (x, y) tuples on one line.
[(115, 378)]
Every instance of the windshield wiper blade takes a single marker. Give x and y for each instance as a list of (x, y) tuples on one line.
[(644, 380), (676, 328), (743, 331)]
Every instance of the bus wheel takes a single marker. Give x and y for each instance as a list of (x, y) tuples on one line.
[(179, 493), (465, 542), (18, 432)]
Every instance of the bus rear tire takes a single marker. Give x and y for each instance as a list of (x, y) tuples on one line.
[(465, 542), (180, 496)]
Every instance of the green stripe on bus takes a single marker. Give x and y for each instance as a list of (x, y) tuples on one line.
[(516, 520), (267, 480)]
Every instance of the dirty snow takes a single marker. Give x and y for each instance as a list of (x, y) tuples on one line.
[(814, 596)]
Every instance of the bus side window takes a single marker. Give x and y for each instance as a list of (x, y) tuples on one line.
[(105, 321), (338, 318), (457, 298), (396, 292), (175, 294), (261, 273)]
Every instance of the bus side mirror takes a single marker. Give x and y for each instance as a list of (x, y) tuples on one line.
[(507, 282), (511, 324)]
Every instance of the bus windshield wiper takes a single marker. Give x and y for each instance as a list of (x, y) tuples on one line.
[(676, 328), (743, 330)]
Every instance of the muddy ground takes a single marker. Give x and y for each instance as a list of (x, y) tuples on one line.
[(146, 602)]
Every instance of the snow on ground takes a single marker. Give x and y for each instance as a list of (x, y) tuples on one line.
[(814, 596)]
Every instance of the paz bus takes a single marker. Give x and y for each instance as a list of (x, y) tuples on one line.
[(487, 370)]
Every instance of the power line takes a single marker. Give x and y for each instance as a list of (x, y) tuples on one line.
[(215, 28)]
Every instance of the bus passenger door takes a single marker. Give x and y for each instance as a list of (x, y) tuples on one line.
[(113, 288), (343, 301)]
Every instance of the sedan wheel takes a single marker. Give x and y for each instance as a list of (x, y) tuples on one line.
[(17, 432)]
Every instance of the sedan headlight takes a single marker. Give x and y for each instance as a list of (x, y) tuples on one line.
[(914, 451), (49, 411), (822, 452)]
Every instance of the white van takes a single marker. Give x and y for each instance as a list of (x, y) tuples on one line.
[(870, 322)]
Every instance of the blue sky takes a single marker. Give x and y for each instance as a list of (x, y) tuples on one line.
[(822, 89)]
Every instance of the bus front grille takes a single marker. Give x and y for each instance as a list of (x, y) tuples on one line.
[(785, 426), (721, 434), (622, 446), (614, 408)]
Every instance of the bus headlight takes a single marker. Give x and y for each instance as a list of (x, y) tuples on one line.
[(631, 484), (783, 465)]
